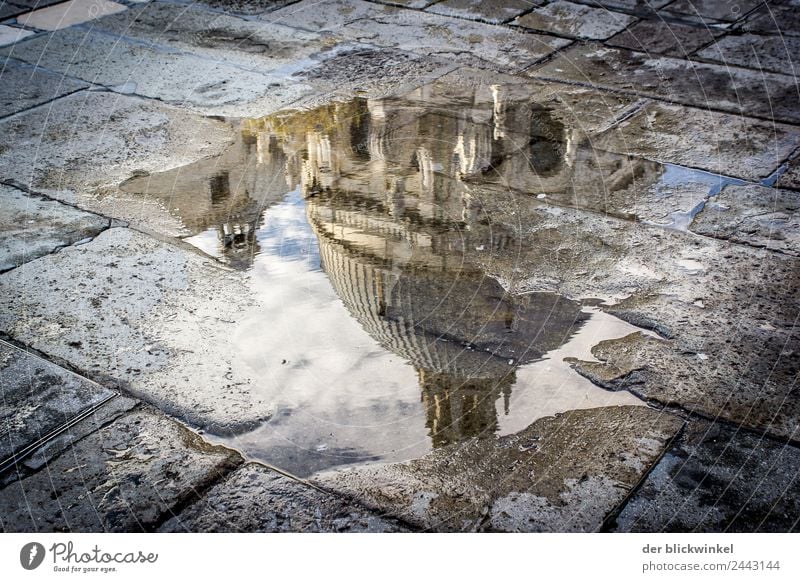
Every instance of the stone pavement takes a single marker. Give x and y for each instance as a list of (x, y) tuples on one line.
[(664, 185)]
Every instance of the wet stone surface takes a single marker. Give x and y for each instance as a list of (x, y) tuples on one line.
[(754, 215), (165, 302), (38, 397), (665, 37), (125, 477), (751, 93), (25, 87), (769, 53), (484, 10), (33, 226), (562, 473), (575, 20), (257, 499), (718, 479)]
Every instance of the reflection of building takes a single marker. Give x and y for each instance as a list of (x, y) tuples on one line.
[(227, 193)]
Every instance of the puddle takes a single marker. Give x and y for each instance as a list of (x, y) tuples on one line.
[(372, 233)]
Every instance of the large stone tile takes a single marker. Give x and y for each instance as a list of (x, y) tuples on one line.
[(754, 215), (760, 52), (23, 86), (257, 499), (775, 17), (563, 473), (716, 142), (257, 46), (484, 10), (243, 7), (665, 37), (33, 226), (710, 10), (127, 477), (69, 13), (646, 8), (144, 314), (790, 178), (12, 34), (168, 76), (575, 20), (38, 397), (79, 148), (8, 10), (719, 479), (750, 93), (472, 43)]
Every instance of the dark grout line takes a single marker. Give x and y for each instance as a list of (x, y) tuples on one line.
[(610, 520)]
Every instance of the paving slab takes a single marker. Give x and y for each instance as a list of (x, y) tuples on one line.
[(637, 7), (24, 86), (563, 473), (127, 477), (484, 10), (575, 20), (719, 479), (12, 34), (258, 46), (753, 215), (716, 142), (257, 499), (183, 79), (69, 13), (790, 178), (243, 7), (8, 10), (33, 226), (779, 18), (710, 10), (760, 52), (471, 43), (38, 397), (146, 315), (752, 93), (665, 37), (83, 145)]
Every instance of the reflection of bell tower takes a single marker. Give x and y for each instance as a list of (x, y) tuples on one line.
[(460, 408)]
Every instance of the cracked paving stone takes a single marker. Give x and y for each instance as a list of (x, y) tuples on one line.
[(178, 78), (147, 315), (748, 93), (562, 473), (466, 42), (716, 142), (9, 10), (126, 477), (38, 397), (575, 20), (719, 479), (664, 37), (33, 226), (257, 499), (23, 86), (768, 53), (776, 17), (485, 10), (754, 215), (69, 13), (79, 148), (638, 7)]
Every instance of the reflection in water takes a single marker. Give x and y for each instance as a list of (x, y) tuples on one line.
[(383, 328)]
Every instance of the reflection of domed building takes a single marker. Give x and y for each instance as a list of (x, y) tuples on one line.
[(413, 286)]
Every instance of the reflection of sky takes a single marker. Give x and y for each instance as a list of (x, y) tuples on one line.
[(340, 397)]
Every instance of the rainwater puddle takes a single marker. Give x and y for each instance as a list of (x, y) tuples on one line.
[(374, 235)]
